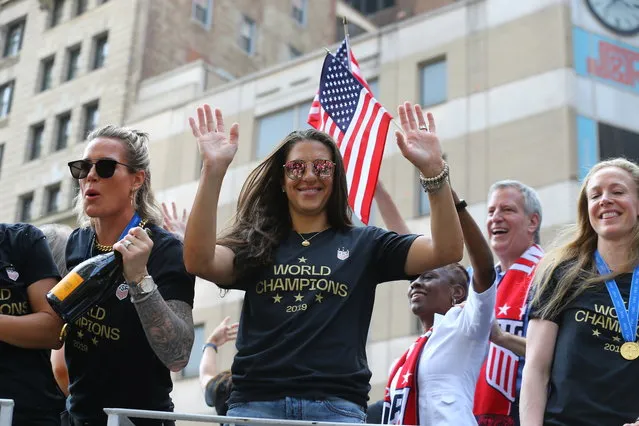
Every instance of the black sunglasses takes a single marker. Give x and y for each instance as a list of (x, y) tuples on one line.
[(104, 168)]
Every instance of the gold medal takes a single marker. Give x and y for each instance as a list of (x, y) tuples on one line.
[(630, 351)]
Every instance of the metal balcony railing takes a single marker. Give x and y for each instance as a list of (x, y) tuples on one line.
[(120, 417)]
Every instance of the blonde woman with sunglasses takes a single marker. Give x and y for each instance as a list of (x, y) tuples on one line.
[(121, 352), (308, 273)]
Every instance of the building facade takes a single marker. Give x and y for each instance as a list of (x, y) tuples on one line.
[(521, 90), (68, 66)]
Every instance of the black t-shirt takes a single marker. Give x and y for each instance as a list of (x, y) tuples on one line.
[(590, 382), (110, 361), (26, 375), (305, 318)]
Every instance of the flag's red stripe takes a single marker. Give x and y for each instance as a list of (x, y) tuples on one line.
[(358, 123), (376, 163), (357, 173)]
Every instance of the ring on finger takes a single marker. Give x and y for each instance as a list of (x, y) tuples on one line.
[(423, 128), (127, 243)]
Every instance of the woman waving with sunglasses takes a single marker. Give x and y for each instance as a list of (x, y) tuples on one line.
[(308, 274), (121, 352)]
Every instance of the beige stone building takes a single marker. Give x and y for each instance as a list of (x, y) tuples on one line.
[(67, 66), (516, 93)]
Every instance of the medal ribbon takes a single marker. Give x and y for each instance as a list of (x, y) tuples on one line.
[(629, 318), (135, 221)]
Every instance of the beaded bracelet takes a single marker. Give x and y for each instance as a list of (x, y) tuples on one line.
[(434, 184)]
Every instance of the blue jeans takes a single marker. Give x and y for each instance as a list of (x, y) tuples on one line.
[(334, 410)]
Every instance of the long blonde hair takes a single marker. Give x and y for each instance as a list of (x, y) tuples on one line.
[(578, 271), (136, 145)]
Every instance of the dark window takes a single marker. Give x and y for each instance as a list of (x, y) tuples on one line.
[(62, 131), (46, 72), (91, 117), (25, 207), (1, 154), (298, 11), (293, 52), (368, 7), (73, 63), (247, 35), (6, 96), (35, 141), (100, 51), (55, 15), (202, 12), (80, 7), (52, 199), (617, 142), (13, 42), (193, 366)]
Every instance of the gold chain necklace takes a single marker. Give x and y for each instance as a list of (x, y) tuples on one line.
[(307, 241), (106, 249)]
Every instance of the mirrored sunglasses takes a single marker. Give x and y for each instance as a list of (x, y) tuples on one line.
[(295, 169), (105, 168)]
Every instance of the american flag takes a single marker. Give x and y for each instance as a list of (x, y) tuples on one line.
[(343, 54), (359, 124)]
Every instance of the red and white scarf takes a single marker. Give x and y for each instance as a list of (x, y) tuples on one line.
[(400, 400), (497, 383)]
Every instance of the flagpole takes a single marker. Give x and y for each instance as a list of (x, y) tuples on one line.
[(348, 43)]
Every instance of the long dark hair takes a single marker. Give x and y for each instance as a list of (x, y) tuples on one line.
[(262, 219)]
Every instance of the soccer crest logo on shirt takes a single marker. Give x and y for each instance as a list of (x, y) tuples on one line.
[(342, 253), (122, 291), (12, 273)]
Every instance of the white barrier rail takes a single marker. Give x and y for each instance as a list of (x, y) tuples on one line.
[(6, 412), (120, 417)]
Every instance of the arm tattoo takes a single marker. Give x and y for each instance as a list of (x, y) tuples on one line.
[(168, 326)]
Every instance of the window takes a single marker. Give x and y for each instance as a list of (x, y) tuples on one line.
[(202, 12), (25, 207), (6, 96), (52, 199), (293, 52), (55, 15), (298, 11), (91, 117), (46, 71), (423, 209), (374, 85), (617, 142), (247, 35), (75, 189), (80, 7), (13, 41), (433, 82), (100, 50), (370, 6), (272, 128), (62, 131), (192, 369), (34, 148), (73, 63), (1, 154)]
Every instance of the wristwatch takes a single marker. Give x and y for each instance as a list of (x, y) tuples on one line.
[(145, 286), (461, 205)]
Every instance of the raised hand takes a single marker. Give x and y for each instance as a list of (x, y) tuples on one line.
[(419, 143), (223, 332), (216, 148), (172, 222)]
